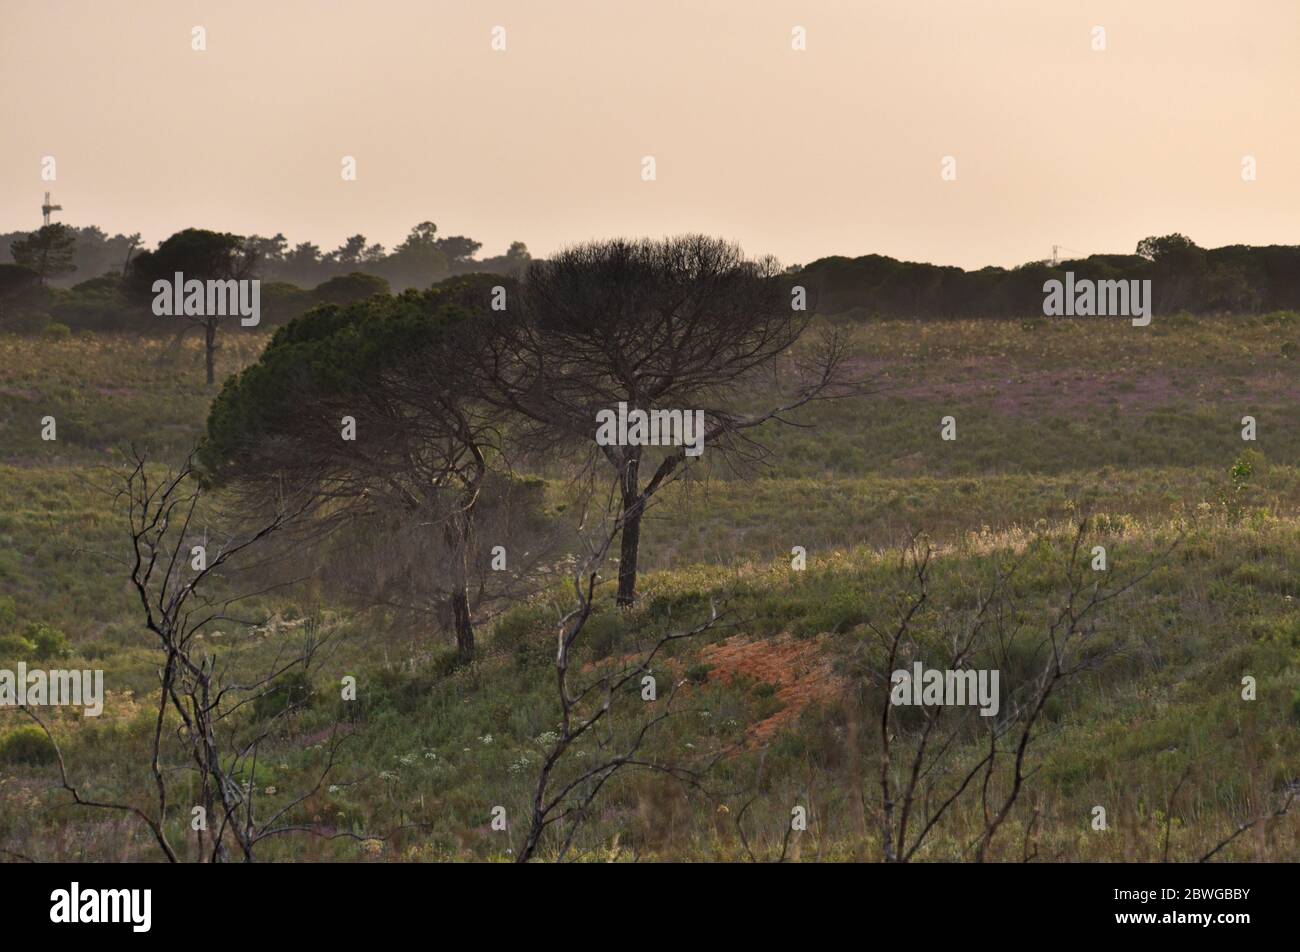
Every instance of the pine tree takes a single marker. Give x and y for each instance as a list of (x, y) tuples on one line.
[(48, 252)]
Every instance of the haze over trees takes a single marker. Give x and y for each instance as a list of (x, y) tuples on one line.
[(19, 291), (421, 259), (197, 254), (94, 252), (1232, 279), (38, 289), (48, 252)]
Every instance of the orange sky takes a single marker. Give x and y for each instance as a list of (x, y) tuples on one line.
[(835, 150)]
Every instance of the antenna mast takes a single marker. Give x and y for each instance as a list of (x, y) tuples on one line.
[(47, 208), (1056, 253)]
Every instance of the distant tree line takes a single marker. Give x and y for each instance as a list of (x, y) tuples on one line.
[(1184, 277), (83, 279), (421, 259)]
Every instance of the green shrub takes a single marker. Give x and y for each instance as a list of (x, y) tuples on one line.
[(1266, 577), (534, 654), (291, 690), (27, 745), (400, 692), (602, 634), (49, 642), (37, 642), (521, 624), (839, 611), (698, 673), (444, 663), (16, 648)]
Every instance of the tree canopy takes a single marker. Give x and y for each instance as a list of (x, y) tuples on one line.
[(48, 252), (366, 407), (681, 325)]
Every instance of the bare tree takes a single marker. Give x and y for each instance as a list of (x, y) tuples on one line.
[(922, 776), (214, 713), (564, 793), (1285, 802)]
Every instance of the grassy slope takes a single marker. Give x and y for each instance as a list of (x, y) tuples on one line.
[(1053, 419)]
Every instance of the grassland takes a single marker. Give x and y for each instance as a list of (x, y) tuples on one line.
[(1139, 430)]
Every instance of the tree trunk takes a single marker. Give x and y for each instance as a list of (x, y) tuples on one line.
[(629, 543), (464, 626), (456, 532), (210, 348), (630, 535)]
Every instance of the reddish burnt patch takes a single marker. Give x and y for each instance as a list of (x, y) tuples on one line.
[(799, 670)]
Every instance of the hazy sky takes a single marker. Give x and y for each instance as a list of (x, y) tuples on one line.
[(833, 150)]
